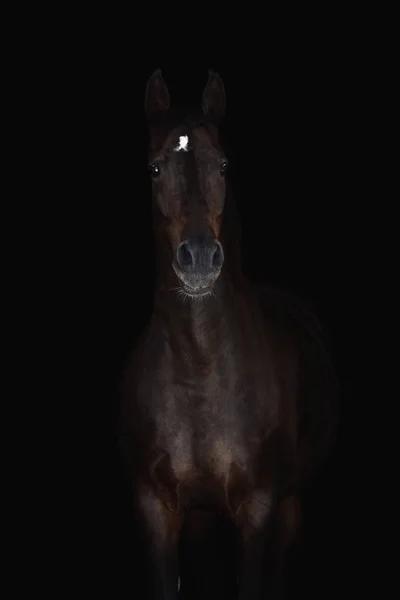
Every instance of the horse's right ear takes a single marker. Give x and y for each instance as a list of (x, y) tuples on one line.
[(157, 99)]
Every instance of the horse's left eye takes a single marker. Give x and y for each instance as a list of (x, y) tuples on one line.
[(224, 168)]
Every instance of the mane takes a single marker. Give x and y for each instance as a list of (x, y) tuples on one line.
[(185, 114), (287, 304), (192, 115), (296, 311)]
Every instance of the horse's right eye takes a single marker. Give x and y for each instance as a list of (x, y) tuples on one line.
[(154, 170)]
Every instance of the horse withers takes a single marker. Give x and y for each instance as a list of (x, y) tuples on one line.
[(228, 401)]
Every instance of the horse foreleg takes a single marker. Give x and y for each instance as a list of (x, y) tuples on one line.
[(267, 537), (162, 528), (252, 519), (288, 522)]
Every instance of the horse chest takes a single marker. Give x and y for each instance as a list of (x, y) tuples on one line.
[(203, 469), (203, 448), (194, 450), (206, 435)]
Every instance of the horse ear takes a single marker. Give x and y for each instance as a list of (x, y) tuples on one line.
[(214, 96), (157, 97)]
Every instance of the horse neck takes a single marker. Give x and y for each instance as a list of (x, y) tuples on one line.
[(200, 326), (197, 328)]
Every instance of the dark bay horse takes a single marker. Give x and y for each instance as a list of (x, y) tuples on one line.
[(229, 400)]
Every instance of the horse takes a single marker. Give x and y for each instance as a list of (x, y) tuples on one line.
[(229, 398)]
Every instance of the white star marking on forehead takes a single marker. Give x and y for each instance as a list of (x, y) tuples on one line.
[(183, 144)]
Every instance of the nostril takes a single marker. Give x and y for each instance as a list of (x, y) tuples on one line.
[(218, 256), (184, 255)]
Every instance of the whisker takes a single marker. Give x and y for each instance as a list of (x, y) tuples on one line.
[(185, 296)]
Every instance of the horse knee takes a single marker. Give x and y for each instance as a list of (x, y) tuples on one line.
[(165, 482), (254, 515), (162, 525)]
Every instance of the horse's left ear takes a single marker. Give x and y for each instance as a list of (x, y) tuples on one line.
[(214, 101)]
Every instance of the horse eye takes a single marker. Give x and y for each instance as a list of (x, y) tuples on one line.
[(154, 170), (224, 168)]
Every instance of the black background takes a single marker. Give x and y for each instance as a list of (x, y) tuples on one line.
[(293, 123)]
